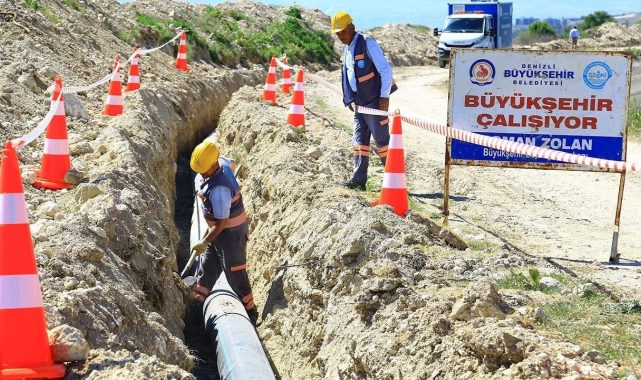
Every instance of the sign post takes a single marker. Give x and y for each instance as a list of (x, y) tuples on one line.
[(571, 102)]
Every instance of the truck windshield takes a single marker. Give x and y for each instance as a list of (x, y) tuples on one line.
[(463, 25)]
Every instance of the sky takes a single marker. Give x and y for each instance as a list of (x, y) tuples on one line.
[(371, 13)]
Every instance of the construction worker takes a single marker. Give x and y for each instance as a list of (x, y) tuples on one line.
[(366, 81), (224, 246)]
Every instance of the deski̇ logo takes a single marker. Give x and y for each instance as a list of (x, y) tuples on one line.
[(596, 75), (482, 72)]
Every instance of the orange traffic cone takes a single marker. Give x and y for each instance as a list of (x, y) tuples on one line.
[(297, 109), (55, 160), (113, 107), (181, 58), (287, 79), (24, 344), (270, 84), (133, 79), (394, 191)]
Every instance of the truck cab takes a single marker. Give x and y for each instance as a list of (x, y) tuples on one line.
[(465, 30)]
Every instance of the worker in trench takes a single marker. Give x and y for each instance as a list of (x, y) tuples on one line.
[(224, 246)]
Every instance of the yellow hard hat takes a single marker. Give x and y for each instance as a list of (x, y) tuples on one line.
[(340, 20), (204, 156)]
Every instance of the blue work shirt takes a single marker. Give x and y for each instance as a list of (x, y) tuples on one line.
[(220, 196)]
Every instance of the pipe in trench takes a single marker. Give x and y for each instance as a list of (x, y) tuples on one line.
[(239, 353)]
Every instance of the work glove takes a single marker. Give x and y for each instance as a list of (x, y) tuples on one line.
[(200, 247)]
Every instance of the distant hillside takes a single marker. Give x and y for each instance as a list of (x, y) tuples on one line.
[(628, 19)]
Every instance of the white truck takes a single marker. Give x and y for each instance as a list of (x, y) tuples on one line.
[(475, 25)]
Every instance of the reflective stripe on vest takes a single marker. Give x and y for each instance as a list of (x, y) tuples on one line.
[(233, 222), (366, 77), (223, 177)]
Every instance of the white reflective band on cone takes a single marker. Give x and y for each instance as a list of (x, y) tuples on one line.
[(60, 110), (297, 109), (181, 56), (114, 100), (298, 86), (56, 146), (272, 70), (394, 181), (395, 142), (270, 86), (13, 209), (20, 291), (287, 80), (134, 79)]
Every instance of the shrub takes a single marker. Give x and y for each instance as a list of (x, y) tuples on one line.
[(636, 52), (226, 41), (595, 19), (292, 38), (541, 28), (294, 12), (160, 25), (32, 4)]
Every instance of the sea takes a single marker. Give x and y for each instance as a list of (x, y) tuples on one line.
[(372, 13)]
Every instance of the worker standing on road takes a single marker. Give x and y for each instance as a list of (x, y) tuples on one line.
[(366, 81), (574, 37), (224, 247)]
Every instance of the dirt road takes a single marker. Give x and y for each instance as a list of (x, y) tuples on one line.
[(565, 216)]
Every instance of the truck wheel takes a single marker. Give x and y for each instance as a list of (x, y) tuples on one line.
[(441, 63)]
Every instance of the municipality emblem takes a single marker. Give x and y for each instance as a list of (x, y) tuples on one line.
[(482, 72)]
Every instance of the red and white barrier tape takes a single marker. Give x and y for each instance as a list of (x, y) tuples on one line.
[(520, 148), (37, 131), (149, 51), (75, 89)]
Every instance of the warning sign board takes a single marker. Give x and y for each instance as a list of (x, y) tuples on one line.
[(572, 102)]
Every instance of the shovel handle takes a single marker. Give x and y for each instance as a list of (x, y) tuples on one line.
[(189, 264)]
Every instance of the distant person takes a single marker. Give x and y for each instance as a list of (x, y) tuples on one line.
[(574, 37), (366, 81), (224, 246)]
